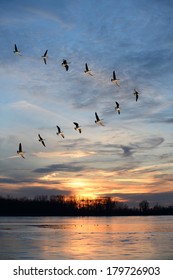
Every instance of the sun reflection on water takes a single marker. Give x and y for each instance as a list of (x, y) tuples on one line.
[(88, 238)]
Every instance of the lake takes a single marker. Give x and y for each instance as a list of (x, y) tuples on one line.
[(86, 238)]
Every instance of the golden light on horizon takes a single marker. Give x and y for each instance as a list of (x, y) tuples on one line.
[(83, 186), (93, 183), (96, 185)]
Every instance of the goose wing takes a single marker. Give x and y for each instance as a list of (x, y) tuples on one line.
[(59, 130), (15, 47), (64, 61), (114, 76), (45, 53), (43, 143), (117, 104), (20, 147), (76, 124), (136, 92), (97, 118), (86, 66)]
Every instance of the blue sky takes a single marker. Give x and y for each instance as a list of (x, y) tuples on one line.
[(131, 156)]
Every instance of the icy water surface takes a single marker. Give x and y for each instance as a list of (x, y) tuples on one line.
[(86, 238)]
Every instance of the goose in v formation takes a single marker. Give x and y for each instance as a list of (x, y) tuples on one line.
[(20, 152), (98, 120), (136, 93), (41, 140), (65, 64), (87, 70), (114, 79), (16, 51), (77, 127), (44, 56), (60, 132), (117, 108)]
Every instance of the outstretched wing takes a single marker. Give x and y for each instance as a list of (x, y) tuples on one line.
[(43, 143), (15, 47), (90, 73), (114, 76), (86, 67), (59, 130), (97, 118), (45, 53), (64, 61), (117, 104), (76, 124), (20, 147)]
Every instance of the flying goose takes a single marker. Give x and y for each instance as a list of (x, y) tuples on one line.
[(87, 70), (98, 120), (41, 140), (20, 152), (65, 64), (137, 94), (117, 108), (115, 80), (16, 51), (44, 56), (59, 131), (77, 127)]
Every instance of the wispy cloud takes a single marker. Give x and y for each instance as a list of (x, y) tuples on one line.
[(77, 154), (51, 16), (32, 192), (60, 167)]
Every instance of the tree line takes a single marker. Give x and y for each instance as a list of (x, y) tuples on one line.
[(71, 206)]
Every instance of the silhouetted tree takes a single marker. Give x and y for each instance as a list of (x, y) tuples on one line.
[(144, 206), (71, 206)]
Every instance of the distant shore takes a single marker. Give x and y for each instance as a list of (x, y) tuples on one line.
[(70, 206)]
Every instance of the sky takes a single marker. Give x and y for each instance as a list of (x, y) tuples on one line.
[(131, 156)]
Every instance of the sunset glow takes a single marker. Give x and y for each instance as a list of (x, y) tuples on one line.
[(129, 157)]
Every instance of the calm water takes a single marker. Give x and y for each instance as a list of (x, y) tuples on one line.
[(86, 238)]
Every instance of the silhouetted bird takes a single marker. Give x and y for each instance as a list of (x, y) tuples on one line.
[(117, 108), (87, 70), (115, 80), (77, 127), (41, 140), (136, 93), (20, 152), (16, 51), (65, 64), (59, 131), (44, 56), (98, 120)]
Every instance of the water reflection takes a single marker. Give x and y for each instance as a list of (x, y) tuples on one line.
[(87, 238)]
